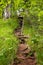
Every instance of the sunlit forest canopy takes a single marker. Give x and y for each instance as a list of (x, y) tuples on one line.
[(34, 8)]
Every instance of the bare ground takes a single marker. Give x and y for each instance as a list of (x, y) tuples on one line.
[(23, 57)]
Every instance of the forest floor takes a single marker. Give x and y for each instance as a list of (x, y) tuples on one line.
[(23, 58), (24, 54)]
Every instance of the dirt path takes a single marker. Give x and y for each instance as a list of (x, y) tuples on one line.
[(24, 54)]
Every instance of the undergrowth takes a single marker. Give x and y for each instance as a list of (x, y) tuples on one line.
[(8, 41)]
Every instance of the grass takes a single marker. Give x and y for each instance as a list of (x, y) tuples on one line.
[(8, 41), (35, 41)]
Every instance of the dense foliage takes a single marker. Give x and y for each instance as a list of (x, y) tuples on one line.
[(8, 41), (32, 12)]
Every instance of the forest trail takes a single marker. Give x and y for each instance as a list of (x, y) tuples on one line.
[(23, 57)]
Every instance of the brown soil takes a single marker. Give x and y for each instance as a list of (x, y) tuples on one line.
[(23, 57)]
